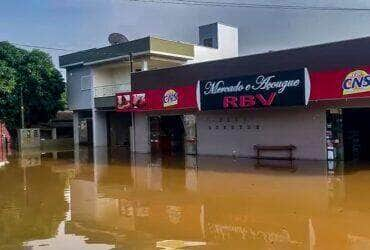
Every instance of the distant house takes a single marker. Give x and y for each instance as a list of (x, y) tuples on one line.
[(4, 132), (5, 136)]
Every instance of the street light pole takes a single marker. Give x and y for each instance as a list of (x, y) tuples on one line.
[(132, 113), (131, 63)]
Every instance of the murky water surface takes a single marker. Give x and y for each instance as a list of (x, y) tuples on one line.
[(105, 199)]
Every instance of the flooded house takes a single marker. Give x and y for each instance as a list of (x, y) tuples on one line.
[(95, 76), (5, 141)]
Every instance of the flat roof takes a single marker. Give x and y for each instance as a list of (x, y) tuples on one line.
[(328, 56), (144, 45)]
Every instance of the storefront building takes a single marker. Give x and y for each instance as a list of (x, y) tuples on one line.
[(315, 98), (164, 119)]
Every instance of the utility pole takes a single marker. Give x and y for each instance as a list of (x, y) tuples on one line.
[(22, 108), (131, 63), (132, 113)]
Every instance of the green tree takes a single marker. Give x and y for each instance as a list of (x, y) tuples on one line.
[(42, 84)]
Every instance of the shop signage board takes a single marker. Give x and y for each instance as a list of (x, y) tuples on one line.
[(284, 88), (341, 84), (174, 98)]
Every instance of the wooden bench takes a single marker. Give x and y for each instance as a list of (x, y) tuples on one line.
[(288, 148)]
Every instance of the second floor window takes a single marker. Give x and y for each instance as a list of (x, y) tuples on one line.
[(85, 82)]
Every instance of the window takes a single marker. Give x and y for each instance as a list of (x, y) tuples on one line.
[(85, 82), (208, 42)]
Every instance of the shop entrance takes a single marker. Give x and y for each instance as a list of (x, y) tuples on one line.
[(348, 134), (167, 134), (356, 134), (118, 125)]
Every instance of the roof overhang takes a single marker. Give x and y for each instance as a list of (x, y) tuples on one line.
[(149, 46)]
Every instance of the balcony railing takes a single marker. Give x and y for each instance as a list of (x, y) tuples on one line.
[(111, 90)]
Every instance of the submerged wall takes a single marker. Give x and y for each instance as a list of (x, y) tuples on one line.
[(236, 132), (141, 133), (229, 133)]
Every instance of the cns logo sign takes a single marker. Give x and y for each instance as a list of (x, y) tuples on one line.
[(170, 98), (357, 81)]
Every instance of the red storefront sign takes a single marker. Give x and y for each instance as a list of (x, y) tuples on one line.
[(340, 84), (173, 98)]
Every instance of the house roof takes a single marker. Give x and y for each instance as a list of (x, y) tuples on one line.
[(329, 56), (146, 45)]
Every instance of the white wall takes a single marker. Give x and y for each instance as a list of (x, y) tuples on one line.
[(304, 128), (111, 76), (227, 42), (202, 54)]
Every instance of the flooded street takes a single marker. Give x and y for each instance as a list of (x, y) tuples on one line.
[(109, 199)]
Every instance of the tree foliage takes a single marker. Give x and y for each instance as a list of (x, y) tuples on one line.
[(42, 84)]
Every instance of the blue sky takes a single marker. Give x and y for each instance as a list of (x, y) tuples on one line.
[(82, 24)]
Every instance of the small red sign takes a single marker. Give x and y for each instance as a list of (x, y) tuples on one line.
[(173, 98), (340, 84)]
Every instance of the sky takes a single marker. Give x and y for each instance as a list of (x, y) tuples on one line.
[(81, 24)]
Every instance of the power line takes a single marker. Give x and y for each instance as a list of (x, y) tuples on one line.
[(251, 5), (40, 47), (222, 4), (246, 5)]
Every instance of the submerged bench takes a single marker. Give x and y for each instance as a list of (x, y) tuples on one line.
[(288, 148), (285, 166)]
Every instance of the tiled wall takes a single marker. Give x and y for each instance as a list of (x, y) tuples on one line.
[(236, 132)]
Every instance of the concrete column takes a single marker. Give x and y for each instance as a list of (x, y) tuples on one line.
[(76, 129), (99, 128), (141, 133), (100, 157), (54, 133), (191, 173), (76, 155)]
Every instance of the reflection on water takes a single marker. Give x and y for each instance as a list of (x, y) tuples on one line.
[(104, 199), (5, 150)]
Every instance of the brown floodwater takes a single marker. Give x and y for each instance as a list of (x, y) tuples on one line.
[(109, 199)]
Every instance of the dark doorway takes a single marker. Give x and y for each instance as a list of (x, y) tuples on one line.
[(167, 134), (356, 134), (85, 128), (119, 129)]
